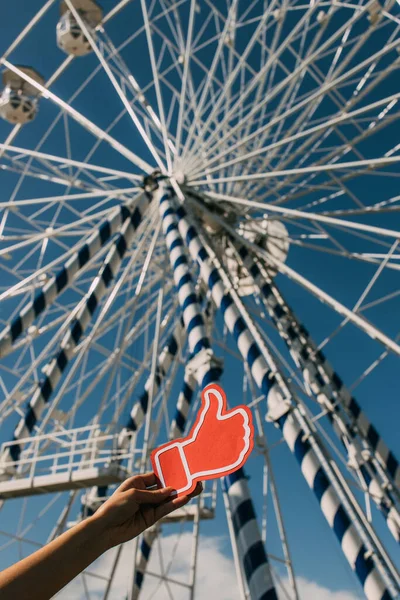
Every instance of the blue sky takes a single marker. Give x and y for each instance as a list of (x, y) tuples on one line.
[(316, 554)]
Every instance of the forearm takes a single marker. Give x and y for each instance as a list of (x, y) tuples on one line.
[(49, 569), (126, 514)]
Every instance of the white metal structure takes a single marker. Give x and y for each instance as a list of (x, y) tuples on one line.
[(210, 175)]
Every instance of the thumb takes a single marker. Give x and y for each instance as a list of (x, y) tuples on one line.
[(214, 401)]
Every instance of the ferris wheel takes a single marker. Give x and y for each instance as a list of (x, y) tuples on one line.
[(199, 191)]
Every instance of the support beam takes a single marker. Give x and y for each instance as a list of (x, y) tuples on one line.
[(115, 84), (370, 163), (372, 331), (86, 123), (361, 443), (44, 156), (206, 370), (67, 274), (339, 508), (147, 540), (82, 318)]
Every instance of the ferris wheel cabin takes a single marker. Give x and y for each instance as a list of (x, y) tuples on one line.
[(70, 37), (18, 100)]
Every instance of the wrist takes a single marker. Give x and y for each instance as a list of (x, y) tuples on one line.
[(96, 535)]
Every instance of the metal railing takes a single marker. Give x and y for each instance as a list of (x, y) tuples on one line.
[(63, 452)]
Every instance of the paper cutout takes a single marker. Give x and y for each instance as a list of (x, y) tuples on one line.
[(219, 443)]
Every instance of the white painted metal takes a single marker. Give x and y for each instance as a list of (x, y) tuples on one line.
[(274, 110)]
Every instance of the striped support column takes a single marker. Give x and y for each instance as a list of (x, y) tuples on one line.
[(345, 527), (65, 275), (58, 364), (360, 421), (356, 543), (204, 367), (138, 413), (191, 311), (382, 499), (212, 367), (142, 559), (164, 362), (319, 375), (388, 461), (248, 538), (183, 405), (245, 526)]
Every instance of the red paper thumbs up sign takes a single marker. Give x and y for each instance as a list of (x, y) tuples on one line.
[(218, 444)]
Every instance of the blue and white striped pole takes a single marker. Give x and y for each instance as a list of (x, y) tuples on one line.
[(65, 275), (187, 295), (92, 501), (319, 375), (356, 544), (147, 540), (139, 409), (245, 526), (58, 364), (389, 465), (345, 524), (204, 367), (183, 404)]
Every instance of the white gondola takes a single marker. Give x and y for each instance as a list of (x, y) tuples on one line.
[(70, 37), (18, 100)]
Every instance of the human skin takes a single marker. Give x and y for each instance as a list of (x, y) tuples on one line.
[(126, 514)]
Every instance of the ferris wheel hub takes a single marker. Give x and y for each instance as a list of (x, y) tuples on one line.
[(179, 176)]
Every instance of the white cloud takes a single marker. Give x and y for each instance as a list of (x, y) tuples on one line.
[(311, 590), (216, 578)]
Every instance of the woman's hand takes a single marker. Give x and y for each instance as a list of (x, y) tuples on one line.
[(133, 508), (130, 510)]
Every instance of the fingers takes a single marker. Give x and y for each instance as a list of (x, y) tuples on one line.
[(197, 491), (168, 507), (128, 484), (149, 479), (152, 496), (138, 482)]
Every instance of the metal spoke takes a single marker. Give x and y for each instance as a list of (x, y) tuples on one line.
[(234, 149), (74, 114)]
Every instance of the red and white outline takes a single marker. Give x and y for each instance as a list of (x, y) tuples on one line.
[(248, 433)]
